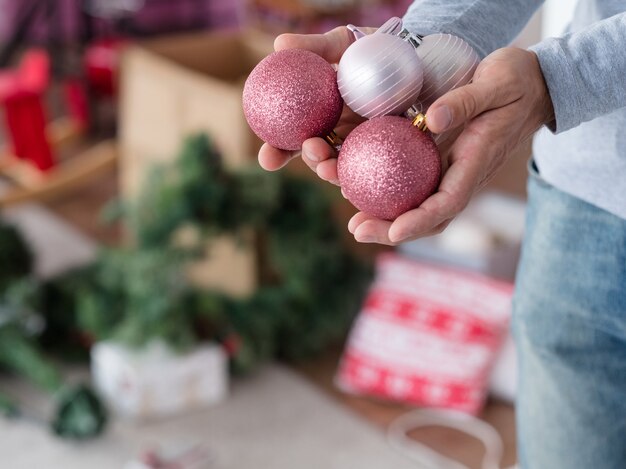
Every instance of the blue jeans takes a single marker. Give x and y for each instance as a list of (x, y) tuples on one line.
[(569, 322)]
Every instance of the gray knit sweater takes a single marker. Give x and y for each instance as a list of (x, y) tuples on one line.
[(584, 152)]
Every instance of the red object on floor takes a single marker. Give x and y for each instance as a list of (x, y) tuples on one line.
[(21, 94), (426, 335), (102, 59), (26, 122), (34, 71), (8, 84), (76, 101)]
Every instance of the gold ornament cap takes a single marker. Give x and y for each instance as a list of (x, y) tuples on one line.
[(419, 121)]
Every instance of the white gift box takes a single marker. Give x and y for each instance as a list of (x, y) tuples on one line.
[(484, 238), (154, 381)]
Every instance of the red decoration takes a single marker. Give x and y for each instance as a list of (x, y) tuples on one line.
[(102, 62), (77, 102), (26, 122), (21, 94), (290, 96), (387, 166), (232, 344), (34, 71)]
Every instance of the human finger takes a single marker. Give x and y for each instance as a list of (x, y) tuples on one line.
[(330, 45), (272, 159), (373, 230)]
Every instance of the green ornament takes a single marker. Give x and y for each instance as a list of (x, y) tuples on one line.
[(80, 414)]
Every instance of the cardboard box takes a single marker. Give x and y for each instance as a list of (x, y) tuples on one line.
[(176, 86)]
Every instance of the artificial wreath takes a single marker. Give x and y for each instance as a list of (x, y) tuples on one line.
[(311, 286)]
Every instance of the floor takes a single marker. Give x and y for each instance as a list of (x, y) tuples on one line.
[(82, 209)]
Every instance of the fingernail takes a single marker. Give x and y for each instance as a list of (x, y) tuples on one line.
[(310, 156), (366, 239), (440, 118), (397, 239), (352, 226)]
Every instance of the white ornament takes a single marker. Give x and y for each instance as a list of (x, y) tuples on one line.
[(380, 74), (449, 62)]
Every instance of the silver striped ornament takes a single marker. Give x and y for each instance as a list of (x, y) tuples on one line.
[(379, 75), (449, 62)]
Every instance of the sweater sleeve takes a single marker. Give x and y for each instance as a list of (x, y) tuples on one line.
[(487, 25), (585, 71)]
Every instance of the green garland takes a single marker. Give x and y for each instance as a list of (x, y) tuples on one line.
[(311, 285), (79, 414)]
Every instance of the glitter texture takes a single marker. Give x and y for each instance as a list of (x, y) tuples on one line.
[(387, 167), (291, 96)]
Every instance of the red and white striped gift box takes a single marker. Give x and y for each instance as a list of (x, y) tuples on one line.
[(426, 335)]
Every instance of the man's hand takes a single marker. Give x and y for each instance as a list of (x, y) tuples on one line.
[(504, 105), (316, 153)]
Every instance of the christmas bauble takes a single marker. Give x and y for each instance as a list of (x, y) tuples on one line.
[(380, 74), (387, 166), (449, 62), (291, 96)]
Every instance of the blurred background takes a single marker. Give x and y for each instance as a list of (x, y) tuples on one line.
[(164, 303)]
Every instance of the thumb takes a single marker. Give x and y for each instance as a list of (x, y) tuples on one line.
[(330, 45), (458, 106)]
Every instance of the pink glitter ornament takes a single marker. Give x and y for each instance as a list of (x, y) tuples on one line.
[(291, 96), (388, 166)]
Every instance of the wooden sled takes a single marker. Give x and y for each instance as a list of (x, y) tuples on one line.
[(30, 184), (34, 165)]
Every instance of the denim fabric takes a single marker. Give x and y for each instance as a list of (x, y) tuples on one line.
[(570, 327)]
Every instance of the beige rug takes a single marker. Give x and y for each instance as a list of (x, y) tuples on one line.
[(273, 420)]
